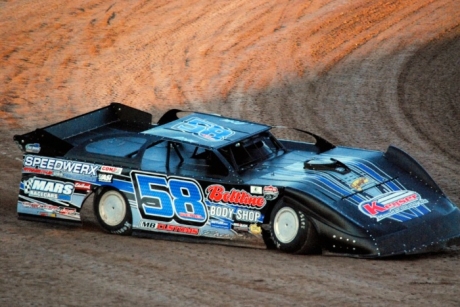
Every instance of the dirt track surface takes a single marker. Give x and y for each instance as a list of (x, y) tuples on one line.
[(360, 73)]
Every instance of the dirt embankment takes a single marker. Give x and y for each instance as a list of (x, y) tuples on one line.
[(360, 73)]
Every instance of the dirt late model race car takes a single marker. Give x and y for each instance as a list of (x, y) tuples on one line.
[(219, 178)]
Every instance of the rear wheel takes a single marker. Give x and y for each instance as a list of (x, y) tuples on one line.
[(113, 213), (292, 231)]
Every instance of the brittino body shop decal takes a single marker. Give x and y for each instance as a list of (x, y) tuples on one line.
[(204, 129), (216, 193), (234, 213)]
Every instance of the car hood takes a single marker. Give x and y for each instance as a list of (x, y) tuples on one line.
[(400, 212), (333, 176)]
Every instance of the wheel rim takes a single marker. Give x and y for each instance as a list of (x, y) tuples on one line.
[(286, 225), (112, 208)]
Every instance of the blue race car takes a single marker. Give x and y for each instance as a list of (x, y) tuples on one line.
[(217, 178)]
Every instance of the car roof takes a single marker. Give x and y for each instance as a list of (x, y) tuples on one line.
[(207, 130)]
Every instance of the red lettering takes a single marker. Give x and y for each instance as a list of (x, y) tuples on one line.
[(179, 229), (216, 193), (82, 186), (37, 171), (373, 208), (111, 169)]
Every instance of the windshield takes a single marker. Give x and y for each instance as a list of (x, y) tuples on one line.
[(249, 152)]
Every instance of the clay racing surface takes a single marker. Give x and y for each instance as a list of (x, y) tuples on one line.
[(360, 73)]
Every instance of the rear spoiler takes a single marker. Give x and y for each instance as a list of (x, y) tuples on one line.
[(400, 158), (57, 139)]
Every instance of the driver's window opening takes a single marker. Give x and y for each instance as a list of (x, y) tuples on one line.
[(248, 152), (201, 160)]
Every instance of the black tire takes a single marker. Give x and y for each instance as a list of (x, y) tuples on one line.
[(292, 231), (113, 212), (267, 237)]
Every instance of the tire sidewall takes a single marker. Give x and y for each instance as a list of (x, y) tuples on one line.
[(125, 226), (302, 234)]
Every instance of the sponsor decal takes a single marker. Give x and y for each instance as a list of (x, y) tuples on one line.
[(169, 198), (50, 209), (39, 206), (391, 203), (33, 148), (150, 225), (270, 192), (46, 188), (234, 213), (58, 165), (111, 169), (191, 215), (217, 194), (255, 190), (248, 215), (75, 176), (255, 229), (220, 224), (358, 183), (37, 171), (204, 129), (240, 227), (82, 186), (178, 229), (105, 177), (215, 234), (66, 211), (221, 212)]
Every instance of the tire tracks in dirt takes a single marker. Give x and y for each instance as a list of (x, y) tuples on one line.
[(421, 86)]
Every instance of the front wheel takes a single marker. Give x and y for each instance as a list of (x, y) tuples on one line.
[(292, 231), (113, 212)]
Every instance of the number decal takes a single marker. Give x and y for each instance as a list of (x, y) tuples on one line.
[(204, 129), (188, 200), (155, 200), (164, 199)]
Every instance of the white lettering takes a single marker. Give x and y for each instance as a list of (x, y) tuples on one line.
[(68, 189), (93, 170), (28, 160), (38, 185), (63, 165), (36, 162), (219, 211), (84, 169), (69, 166), (58, 165), (105, 177), (77, 168), (247, 215), (43, 163), (52, 186), (50, 164)]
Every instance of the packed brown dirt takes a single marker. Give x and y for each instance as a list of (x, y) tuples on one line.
[(363, 73)]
